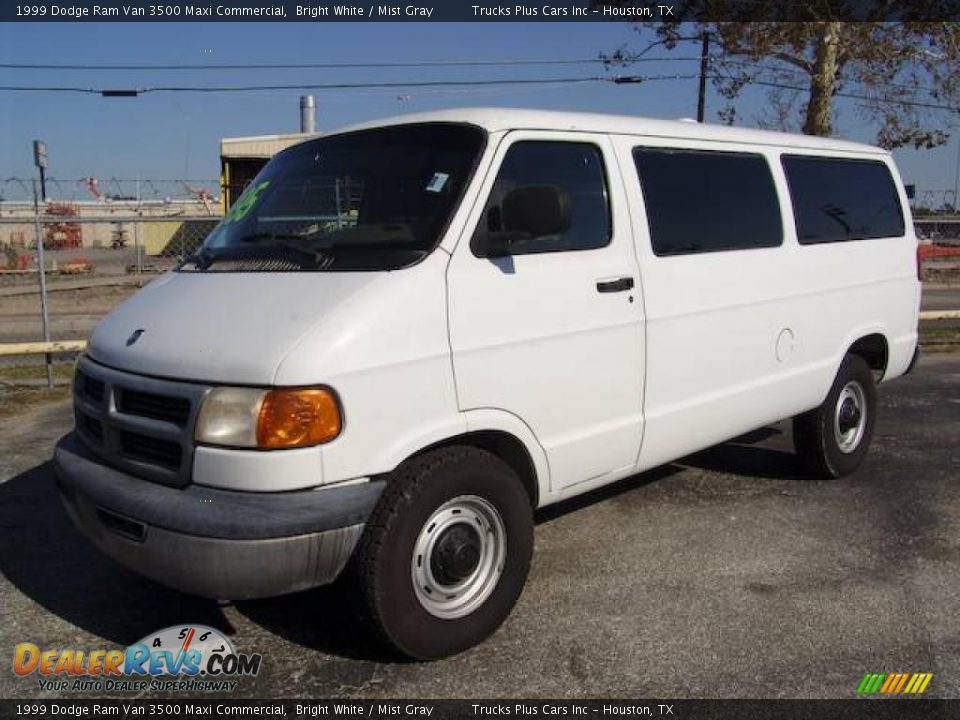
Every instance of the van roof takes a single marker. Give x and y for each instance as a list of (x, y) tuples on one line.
[(498, 119)]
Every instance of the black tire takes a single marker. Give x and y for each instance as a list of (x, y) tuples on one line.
[(814, 433), (382, 563)]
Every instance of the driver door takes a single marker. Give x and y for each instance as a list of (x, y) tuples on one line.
[(553, 331)]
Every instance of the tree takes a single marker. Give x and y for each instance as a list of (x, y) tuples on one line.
[(900, 68)]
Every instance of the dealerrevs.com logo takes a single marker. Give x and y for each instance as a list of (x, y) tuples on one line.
[(180, 658)]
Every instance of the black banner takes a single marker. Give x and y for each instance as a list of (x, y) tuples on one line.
[(865, 709), (479, 11)]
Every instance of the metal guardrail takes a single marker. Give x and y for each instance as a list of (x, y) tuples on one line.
[(54, 347), (60, 347)]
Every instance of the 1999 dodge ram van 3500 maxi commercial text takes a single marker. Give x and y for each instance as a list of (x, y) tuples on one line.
[(406, 336)]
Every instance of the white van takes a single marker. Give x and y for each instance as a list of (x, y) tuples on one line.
[(406, 336)]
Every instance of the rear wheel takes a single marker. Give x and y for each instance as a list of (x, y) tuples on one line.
[(832, 440), (446, 552)]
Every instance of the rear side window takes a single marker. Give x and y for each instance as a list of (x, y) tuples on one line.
[(837, 199), (705, 201), (577, 170)]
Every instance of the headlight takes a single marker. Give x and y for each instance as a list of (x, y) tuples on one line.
[(269, 419)]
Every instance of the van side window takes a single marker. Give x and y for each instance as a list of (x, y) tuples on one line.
[(705, 201), (836, 199), (574, 169)]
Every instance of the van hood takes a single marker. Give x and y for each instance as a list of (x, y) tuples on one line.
[(220, 327)]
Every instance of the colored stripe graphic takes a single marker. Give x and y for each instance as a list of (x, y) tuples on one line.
[(865, 683), (894, 683), (900, 684)]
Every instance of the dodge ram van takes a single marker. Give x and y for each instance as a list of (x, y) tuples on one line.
[(405, 337)]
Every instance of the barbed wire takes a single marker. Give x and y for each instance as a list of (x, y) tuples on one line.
[(936, 199), (112, 189), (128, 190)]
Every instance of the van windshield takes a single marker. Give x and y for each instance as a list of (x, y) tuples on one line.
[(368, 200)]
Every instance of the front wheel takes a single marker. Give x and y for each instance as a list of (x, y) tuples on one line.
[(832, 440), (446, 552)]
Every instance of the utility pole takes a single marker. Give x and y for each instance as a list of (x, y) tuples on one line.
[(956, 183), (702, 95), (41, 261), (40, 160)]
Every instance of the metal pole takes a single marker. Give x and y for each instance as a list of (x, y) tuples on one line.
[(956, 181), (43, 183), (702, 95), (308, 114), (136, 231), (43, 282), (337, 190)]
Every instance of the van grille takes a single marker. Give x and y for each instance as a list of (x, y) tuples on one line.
[(91, 389), (140, 424), (151, 450), (91, 426), (158, 407)]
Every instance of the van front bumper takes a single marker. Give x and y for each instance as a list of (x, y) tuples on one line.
[(211, 542)]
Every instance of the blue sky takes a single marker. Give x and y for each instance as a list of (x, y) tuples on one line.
[(172, 136)]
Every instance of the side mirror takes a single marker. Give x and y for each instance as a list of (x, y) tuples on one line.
[(527, 212), (537, 210), (911, 191)]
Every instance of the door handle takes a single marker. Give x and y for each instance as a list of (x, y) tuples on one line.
[(617, 285)]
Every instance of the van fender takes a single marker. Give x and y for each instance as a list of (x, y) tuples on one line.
[(855, 334), (461, 425), (495, 419), (419, 439)]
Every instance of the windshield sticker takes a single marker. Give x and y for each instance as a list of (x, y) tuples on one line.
[(437, 182), (246, 202)]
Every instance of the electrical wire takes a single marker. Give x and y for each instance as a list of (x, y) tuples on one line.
[(616, 79), (304, 86), (324, 65)]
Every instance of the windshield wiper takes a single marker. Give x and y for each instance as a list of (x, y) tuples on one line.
[(202, 258), (290, 241)]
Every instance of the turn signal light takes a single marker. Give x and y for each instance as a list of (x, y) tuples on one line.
[(297, 417)]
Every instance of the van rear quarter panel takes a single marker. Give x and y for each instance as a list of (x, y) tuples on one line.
[(715, 320)]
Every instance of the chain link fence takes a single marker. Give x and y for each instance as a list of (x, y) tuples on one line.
[(95, 256), (90, 263)]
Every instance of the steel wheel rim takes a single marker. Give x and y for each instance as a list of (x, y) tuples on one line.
[(850, 417), (451, 600)]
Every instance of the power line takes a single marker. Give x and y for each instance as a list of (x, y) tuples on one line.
[(132, 92), (610, 61), (325, 65), (304, 86), (785, 70), (618, 80), (858, 96)]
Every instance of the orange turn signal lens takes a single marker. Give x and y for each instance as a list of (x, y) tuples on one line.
[(297, 417)]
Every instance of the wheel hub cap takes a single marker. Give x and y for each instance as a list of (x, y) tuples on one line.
[(850, 416), (456, 554), (458, 557)]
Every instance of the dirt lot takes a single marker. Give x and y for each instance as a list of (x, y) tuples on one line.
[(73, 313), (726, 574)]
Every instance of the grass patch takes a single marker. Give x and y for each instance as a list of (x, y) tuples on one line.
[(940, 335), (14, 401), (62, 372)]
